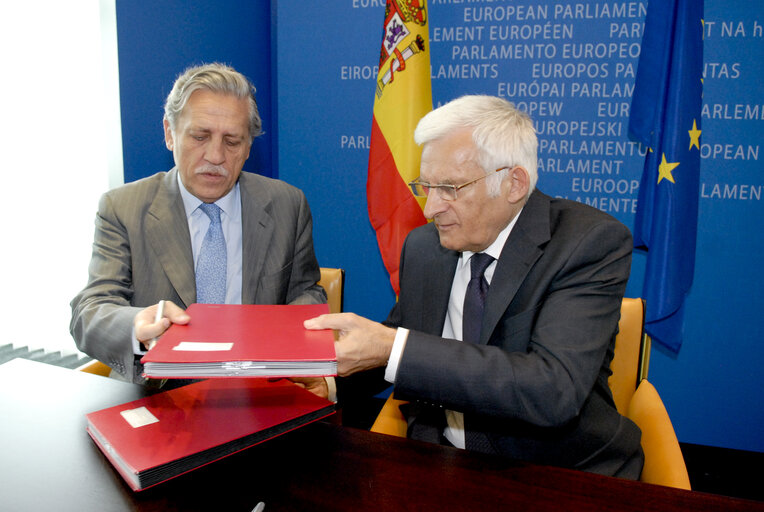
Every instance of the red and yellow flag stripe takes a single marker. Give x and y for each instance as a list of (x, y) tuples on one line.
[(403, 96)]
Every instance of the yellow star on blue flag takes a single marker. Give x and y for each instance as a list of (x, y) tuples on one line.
[(665, 168), (694, 136)]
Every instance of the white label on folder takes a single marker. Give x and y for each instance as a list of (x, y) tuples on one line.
[(195, 346), (139, 417)]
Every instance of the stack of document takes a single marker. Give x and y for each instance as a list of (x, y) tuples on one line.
[(224, 340), (167, 434)]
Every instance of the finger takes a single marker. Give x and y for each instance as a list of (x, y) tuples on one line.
[(175, 313), (148, 332), (337, 321), (343, 365), (147, 327)]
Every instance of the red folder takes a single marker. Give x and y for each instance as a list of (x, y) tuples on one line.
[(167, 434), (225, 340)]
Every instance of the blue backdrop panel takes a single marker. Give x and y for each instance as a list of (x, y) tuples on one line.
[(327, 61), (158, 40), (714, 386), (571, 65)]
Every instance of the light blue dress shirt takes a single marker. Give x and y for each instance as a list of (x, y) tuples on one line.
[(230, 219), (198, 223)]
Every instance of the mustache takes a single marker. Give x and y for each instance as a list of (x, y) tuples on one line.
[(212, 169)]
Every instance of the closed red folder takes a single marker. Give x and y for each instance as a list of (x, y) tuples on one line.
[(167, 434), (225, 340)]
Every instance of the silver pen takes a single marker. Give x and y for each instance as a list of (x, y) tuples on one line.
[(157, 318)]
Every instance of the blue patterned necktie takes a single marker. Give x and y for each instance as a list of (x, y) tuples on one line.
[(474, 299), (212, 263)]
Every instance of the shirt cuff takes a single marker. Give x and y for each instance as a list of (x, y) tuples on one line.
[(399, 344), (138, 349)]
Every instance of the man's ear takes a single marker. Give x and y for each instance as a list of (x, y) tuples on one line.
[(518, 181), (168, 140)]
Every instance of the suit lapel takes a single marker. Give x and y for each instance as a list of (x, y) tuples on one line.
[(168, 236), (256, 230), (521, 251), (439, 275)]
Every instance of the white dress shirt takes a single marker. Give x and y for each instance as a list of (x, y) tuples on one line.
[(452, 328)]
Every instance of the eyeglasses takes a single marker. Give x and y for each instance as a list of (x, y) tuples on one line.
[(446, 191)]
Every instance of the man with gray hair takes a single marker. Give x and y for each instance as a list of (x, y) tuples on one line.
[(202, 232), (504, 328)]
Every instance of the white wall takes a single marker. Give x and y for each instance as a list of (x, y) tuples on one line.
[(56, 125)]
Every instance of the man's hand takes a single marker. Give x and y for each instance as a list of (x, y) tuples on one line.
[(146, 329), (362, 344), (316, 385)]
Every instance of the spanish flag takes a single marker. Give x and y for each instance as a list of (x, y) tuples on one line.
[(403, 97)]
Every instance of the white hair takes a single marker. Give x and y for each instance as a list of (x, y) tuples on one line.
[(503, 135)]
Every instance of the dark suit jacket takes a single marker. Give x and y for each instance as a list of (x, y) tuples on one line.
[(142, 254), (535, 387)]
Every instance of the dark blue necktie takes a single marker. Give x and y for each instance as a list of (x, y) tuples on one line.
[(474, 299), (211, 265)]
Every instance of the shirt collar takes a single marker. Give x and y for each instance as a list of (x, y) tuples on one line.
[(497, 245), (227, 203)]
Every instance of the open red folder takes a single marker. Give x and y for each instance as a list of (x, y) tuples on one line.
[(226, 340), (167, 434)]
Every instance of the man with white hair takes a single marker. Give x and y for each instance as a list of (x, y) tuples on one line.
[(202, 232), (504, 329)]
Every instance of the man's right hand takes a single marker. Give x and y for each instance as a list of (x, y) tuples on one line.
[(146, 329), (363, 343)]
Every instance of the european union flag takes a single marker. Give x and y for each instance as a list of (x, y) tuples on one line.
[(665, 116)]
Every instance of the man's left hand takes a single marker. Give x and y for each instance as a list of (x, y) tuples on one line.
[(316, 385)]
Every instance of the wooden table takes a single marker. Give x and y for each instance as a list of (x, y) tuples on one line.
[(48, 462)]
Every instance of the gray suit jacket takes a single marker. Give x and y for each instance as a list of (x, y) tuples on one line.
[(142, 254), (535, 387)]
